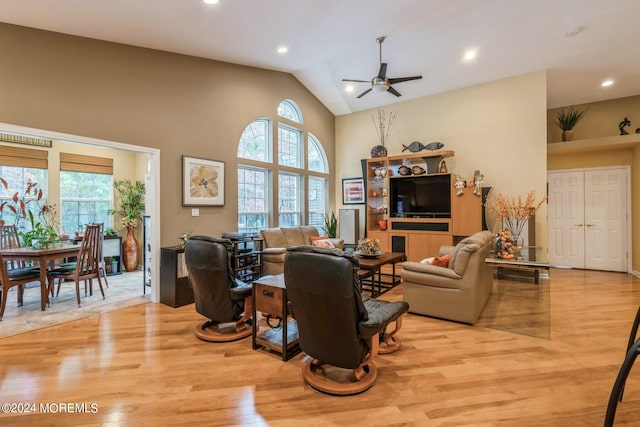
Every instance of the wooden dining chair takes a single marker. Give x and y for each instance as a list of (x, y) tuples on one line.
[(86, 266), (101, 264), (9, 239), (14, 277)]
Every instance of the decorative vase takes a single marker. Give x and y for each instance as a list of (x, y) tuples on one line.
[(567, 135), (382, 224), (379, 151), (130, 251)]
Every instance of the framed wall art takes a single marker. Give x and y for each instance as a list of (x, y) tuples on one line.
[(202, 182), (353, 191)]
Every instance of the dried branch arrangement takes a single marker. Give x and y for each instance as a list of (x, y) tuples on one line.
[(384, 124), (514, 212)]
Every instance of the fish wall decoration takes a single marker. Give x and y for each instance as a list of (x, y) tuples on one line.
[(417, 146)]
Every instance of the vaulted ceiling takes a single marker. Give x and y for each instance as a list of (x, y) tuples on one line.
[(580, 42)]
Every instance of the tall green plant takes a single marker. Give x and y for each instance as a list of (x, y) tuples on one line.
[(331, 225), (568, 119), (131, 201)]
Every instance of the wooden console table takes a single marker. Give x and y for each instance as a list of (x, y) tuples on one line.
[(270, 298)]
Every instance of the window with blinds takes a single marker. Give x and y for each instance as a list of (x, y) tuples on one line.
[(81, 163), (86, 193), (19, 166)]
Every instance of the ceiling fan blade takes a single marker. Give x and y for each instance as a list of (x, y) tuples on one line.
[(404, 79), (383, 71), (357, 81), (393, 91), (364, 93)]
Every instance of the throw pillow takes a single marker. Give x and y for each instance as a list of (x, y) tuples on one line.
[(441, 261), (314, 238), (427, 260), (323, 243)]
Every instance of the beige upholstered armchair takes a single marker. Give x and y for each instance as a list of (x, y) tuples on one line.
[(277, 240), (458, 292)]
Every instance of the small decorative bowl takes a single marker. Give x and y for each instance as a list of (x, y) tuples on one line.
[(404, 170), (418, 170)]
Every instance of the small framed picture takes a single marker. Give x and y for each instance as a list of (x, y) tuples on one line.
[(353, 191), (202, 182)]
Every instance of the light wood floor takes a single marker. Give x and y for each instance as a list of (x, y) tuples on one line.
[(142, 365)]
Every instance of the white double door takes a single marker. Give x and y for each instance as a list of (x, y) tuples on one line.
[(588, 218)]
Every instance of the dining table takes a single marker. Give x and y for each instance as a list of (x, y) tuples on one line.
[(44, 257)]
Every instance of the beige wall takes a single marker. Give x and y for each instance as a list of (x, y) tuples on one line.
[(179, 104), (498, 128), (589, 159), (601, 119)]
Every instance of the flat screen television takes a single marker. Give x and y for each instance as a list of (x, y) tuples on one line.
[(421, 196)]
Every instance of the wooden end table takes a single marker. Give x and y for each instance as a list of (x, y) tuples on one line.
[(370, 269), (270, 298)]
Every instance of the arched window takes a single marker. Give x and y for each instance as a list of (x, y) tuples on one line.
[(276, 186), (316, 159), (289, 110), (254, 141)]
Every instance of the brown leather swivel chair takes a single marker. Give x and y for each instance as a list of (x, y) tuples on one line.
[(220, 297), (338, 330)]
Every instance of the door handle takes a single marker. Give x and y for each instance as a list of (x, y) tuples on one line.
[(579, 225), (590, 225)]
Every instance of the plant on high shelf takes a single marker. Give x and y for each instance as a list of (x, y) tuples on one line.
[(566, 121), (331, 225), (131, 210), (44, 229)]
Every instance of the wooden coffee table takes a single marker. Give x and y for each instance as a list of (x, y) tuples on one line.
[(371, 276)]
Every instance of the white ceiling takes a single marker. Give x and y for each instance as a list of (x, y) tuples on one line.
[(333, 39)]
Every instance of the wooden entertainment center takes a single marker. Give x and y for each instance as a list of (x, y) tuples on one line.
[(418, 234)]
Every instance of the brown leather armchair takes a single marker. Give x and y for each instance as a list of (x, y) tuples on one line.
[(220, 297), (337, 329)]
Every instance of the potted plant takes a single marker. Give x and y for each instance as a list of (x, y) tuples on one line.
[(110, 232), (331, 225), (42, 234), (115, 260), (44, 230), (131, 209), (567, 119)]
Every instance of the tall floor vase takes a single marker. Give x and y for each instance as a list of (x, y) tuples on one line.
[(130, 251)]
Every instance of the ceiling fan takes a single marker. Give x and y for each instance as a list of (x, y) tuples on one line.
[(381, 83)]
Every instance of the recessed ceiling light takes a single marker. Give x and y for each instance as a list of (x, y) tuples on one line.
[(349, 88), (283, 49), (607, 83), (573, 31), (469, 55), (210, 1)]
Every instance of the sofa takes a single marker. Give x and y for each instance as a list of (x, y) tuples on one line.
[(277, 240), (457, 292)]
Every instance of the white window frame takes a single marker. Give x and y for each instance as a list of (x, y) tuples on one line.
[(267, 197)]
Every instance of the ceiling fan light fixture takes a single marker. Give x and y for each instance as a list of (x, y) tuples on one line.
[(380, 88)]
